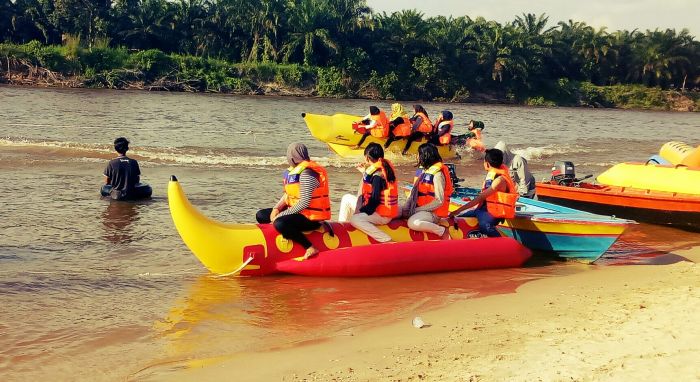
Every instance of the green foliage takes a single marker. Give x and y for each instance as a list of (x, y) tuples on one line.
[(330, 83), (388, 86), (636, 96), (103, 58), (72, 45), (209, 74), (285, 74), (529, 59), (153, 63), (539, 101), (50, 57), (461, 95), (624, 96), (111, 79)]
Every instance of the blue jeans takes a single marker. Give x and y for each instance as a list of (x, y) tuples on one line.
[(487, 223)]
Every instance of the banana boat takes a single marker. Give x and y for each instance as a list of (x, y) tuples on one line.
[(336, 131), (258, 249)]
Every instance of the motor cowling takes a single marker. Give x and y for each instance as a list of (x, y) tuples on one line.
[(563, 173)]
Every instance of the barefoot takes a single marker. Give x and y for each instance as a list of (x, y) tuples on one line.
[(310, 252), (446, 235), (356, 147)]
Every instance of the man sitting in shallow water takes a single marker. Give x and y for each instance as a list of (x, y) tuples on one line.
[(123, 173)]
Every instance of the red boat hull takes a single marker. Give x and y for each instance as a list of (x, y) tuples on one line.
[(391, 259), (656, 207)]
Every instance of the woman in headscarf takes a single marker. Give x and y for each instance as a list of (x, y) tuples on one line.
[(305, 203), (399, 124)]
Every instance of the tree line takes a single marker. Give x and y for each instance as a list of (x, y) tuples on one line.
[(401, 55)]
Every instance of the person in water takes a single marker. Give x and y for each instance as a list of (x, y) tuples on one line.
[(497, 198), (519, 171), (378, 201), (429, 199), (399, 124), (443, 129), (421, 126), (122, 173), (305, 204), (474, 135), (375, 124)]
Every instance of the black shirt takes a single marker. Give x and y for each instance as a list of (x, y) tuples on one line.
[(123, 173)]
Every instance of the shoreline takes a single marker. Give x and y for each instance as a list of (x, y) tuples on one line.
[(613, 323), (675, 101)]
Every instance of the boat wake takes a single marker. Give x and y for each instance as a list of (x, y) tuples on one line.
[(180, 156)]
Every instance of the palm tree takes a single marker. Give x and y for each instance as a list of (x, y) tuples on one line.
[(398, 39), (150, 26), (7, 12), (493, 45), (308, 24), (658, 54), (188, 17)]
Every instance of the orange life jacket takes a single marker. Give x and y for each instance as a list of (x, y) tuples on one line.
[(426, 126), (476, 143), (426, 189), (447, 137), (381, 127), (320, 207), (403, 129), (389, 199), (501, 204)]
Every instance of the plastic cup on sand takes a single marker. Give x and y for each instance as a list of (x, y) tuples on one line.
[(418, 322)]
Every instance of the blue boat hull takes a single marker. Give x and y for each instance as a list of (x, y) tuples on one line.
[(574, 247)]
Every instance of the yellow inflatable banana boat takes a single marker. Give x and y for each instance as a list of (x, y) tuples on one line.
[(258, 249), (336, 131), (679, 179)]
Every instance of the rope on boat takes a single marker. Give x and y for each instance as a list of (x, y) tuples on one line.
[(245, 263)]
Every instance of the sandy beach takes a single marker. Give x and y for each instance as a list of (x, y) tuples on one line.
[(614, 323)]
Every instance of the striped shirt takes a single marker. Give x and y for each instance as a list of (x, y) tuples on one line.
[(308, 182)]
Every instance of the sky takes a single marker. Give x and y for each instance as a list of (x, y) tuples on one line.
[(614, 14)]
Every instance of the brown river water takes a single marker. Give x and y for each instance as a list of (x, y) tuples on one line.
[(93, 290)]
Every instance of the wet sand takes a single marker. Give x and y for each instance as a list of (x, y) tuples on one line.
[(614, 323)]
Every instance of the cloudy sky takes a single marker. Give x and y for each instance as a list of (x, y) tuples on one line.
[(615, 14)]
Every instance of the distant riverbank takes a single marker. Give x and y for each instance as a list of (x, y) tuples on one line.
[(39, 65)]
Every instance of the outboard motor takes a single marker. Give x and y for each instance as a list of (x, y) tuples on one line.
[(563, 173), (453, 174)]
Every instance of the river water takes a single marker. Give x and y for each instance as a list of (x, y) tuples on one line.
[(93, 290)]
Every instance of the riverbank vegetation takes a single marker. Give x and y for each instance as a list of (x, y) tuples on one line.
[(340, 48)]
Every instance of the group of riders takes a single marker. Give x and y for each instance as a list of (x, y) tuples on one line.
[(305, 204), (400, 126)]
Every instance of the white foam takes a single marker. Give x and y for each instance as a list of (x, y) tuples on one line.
[(179, 156)]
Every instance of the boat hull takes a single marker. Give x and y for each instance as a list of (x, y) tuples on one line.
[(391, 259), (656, 207), (336, 131), (565, 232), (255, 249)]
